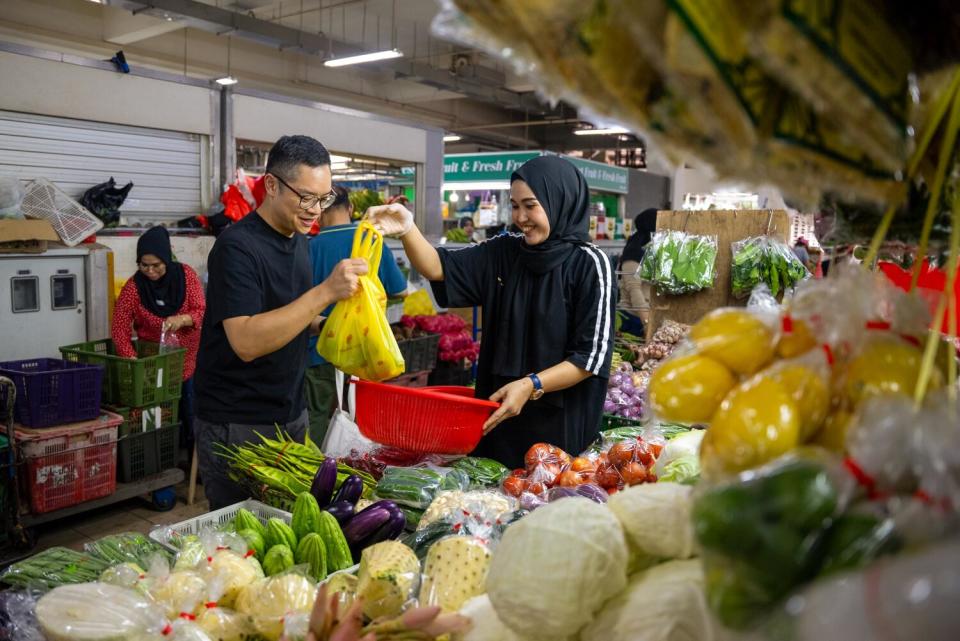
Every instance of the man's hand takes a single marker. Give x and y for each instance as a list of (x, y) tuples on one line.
[(512, 397), (174, 323), (391, 220), (345, 279)]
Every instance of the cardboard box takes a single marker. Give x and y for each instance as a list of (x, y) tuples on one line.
[(25, 236)]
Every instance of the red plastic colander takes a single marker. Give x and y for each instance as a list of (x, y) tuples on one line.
[(443, 420)]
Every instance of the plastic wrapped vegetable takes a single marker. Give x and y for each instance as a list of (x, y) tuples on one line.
[(236, 571), (483, 472), (540, 598), (131, 547), (97, 612), (762, 535), (475, 510), (53, 567), (763, 260), (223, 624), (268, 601), (664, 603), (680, 263), (177, 592), (387, 578), (413, 486), (454, 571)]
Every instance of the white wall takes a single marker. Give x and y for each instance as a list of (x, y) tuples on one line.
[(691, 180), (267, 120), (54, 88), (192, 250)]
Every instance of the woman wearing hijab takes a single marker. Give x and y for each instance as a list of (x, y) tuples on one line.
[(163, 295), (548, 301), (634, 293)]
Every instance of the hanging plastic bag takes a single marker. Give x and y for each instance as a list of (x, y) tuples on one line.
[(343, 438), (357, 338), (11, 195), (104, 200), (168, 341)]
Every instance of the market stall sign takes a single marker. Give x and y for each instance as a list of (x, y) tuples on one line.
[(472, 168), (602, 177)]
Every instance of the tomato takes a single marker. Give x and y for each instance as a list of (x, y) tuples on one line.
[(562, 457), (582, 464), (633, 473), (608, 476), (570, 479), (651, 477), (538, 453), (519, 473), (612, 490), (643, 455), (622, 453), (655, 448), (537, 488), (514, 486)]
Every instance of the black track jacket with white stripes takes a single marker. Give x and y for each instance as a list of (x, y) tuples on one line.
[(570, 419)]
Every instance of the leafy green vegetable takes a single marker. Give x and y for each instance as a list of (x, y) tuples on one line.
[(760, 260), (680, 263), (685, 470)]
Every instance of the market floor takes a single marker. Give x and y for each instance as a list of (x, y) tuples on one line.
[(134, 515)]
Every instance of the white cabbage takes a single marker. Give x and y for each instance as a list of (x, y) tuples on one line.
[(664, 603), (485, 624), (556, 567), (685, 445), (656, 518), (96, 612)]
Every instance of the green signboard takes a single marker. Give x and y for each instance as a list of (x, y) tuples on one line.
[(498, 166), (603, 177), (473, 168)]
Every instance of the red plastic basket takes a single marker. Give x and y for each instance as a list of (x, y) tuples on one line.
[(421, 420), (70, 464)]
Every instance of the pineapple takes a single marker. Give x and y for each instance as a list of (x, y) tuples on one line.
[(387, 578), (344, 586), (455, 571)]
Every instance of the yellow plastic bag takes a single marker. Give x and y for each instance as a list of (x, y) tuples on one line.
[(357, 338)]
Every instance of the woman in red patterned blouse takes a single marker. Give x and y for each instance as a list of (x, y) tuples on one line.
[(163, 294)]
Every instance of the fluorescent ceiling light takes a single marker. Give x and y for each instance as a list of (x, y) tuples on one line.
[(363, 57), (339, 166), (600, 132), (226, 81), (454, 197), (334, 158), (452, 138)]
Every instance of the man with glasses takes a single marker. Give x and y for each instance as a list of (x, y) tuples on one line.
[(262, 307)]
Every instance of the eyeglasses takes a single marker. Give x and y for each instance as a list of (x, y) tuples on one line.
[(309, 201), (148, 267)]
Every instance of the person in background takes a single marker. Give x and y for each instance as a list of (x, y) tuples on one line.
[(548, 300), (801, 252), (634, 293), (327, 249), (163, 297), (262, 306)]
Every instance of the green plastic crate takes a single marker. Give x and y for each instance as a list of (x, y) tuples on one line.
[(139, 419), (149, 379)]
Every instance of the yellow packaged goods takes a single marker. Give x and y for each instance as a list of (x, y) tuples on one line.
[(357, 338)]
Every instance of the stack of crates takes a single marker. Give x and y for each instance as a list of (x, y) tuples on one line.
[(145, 391), (67, 445)]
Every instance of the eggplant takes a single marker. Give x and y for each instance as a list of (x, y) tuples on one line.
[(365, 523), (557, 493), (530, 502), (593, 492), (324, 481), (390, 530), (350, 490), (343, 511)]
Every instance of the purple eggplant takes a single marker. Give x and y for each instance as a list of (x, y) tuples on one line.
[(365, 523), (341, 510), (592, 492), (324, 482), (350, 490), (557, 493), (389, 530), (530, 502)]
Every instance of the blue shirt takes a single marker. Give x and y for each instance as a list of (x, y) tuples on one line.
[(334, 244)]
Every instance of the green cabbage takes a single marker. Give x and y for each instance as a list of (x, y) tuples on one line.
[(684, 470)]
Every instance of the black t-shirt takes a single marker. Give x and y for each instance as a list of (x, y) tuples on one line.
[(252, 269), (570, 418)]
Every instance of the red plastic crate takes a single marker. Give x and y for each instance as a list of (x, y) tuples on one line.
[(70, 464), (421, 420)]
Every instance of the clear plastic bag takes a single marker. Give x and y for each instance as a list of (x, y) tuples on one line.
[(451, 586), (127, 547), (98, 610), (222, 624), (412, 486), (168, 341), (764, 534), (269, 601), (53, 567), (761, 260), (477, 512), (11, 194), (680, 263), (388, 579)]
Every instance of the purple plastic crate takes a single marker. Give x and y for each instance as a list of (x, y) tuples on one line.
[(51, 391)]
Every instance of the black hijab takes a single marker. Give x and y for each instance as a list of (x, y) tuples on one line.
[(532, 328), (645, 225), (162, 297)]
